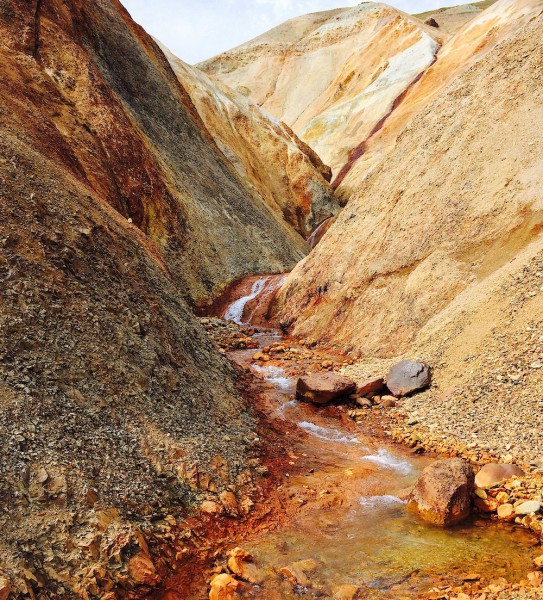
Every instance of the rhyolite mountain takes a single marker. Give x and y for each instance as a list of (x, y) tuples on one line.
[(265, 153), (134, 189), (331, 76)]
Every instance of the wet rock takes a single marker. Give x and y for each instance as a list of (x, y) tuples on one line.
[(407, 377), (528, 508), (225, 587), (372, 387), (494, 473), (442, 495), (322, 388), (241, 563), (298, 572), (344, 592)]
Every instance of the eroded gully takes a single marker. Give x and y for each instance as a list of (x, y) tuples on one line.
[(352, 531)]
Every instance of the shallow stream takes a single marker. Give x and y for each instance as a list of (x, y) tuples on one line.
[(353, 528)]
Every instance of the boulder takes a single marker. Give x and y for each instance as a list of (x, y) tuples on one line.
[(322, 388), (372, 387), (442, 495), (431, 22), (408, 376), (494, 473)]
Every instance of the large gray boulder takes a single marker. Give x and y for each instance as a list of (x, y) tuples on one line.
[(442, 495), (408, 376)]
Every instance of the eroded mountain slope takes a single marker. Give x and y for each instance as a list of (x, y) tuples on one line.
[(469, 45), (143, 148), (331, 76), (286, 172), (456, 200)]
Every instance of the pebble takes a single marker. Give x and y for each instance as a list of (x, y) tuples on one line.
[(528, 508)]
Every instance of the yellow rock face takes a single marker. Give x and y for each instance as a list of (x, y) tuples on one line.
[(332, 76)]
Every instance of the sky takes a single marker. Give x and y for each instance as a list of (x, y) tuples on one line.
[(198, 29)]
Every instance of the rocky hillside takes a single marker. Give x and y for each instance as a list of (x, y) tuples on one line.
[(142, 148), (480, 36), (437, 252), (308, 73), (266, 153), (117, 208)]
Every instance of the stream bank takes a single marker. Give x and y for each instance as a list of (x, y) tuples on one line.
[(341, 482)]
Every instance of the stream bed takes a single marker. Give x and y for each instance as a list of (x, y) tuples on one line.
[(353, 529), (367, 537)]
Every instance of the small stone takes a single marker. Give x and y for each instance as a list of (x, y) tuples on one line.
[(298, 572), (494, 473), (5, 587), (230, 503), (345, 592), (224, 587), (538, 562), (502, 497), (535, 578), (489, 505), (364, 402), (372, 387), (528, 508), (480, 493), (388, 402), (506, 512), (241, 563), (210, 508)]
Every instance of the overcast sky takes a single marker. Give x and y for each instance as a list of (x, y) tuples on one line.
[(198, 29)]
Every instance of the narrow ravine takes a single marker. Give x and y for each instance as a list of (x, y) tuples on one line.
[(352, 534)]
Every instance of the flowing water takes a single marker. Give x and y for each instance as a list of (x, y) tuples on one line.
[(354, 529)]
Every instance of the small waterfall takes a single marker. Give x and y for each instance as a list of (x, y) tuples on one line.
[(236, 309)]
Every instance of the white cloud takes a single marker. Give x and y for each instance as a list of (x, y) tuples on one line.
[(198, 29)]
